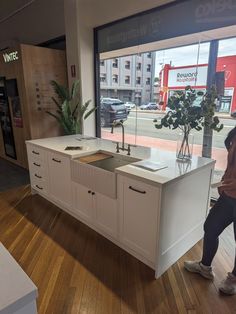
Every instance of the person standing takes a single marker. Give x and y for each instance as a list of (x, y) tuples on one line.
[(221, 215)]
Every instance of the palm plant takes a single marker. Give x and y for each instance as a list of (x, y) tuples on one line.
[(70, 111)]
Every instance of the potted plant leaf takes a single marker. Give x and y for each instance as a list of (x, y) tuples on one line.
[(70, 111), (185, 114)]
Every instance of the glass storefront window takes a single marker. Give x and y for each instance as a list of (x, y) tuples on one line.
[(226, 106)]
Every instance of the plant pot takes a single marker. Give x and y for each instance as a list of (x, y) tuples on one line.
[(184, 150)]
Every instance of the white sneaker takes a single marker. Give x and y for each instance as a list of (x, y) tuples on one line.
[(198, 267), (228, 286)]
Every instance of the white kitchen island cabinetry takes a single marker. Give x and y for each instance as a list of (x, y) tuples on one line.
[(95, 209), (139, 213), (38, 168), (59, 178), (173, 214), (156, 216)]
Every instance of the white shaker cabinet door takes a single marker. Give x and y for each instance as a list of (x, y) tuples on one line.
[(139, 216), (82, 202), (59, 178), (106, 214)]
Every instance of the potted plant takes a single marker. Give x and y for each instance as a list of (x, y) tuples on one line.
[(70, 111), (186, 115)]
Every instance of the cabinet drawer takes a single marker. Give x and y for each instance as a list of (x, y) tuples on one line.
[(58, 161), (40, 185), (37, 166), (35, 153)]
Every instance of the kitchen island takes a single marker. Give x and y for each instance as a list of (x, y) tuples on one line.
[(156, 216)]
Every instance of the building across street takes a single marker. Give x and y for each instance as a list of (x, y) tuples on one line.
[(177, 78)]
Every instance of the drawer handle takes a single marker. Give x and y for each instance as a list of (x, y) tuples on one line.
[(39, 187), (135, 190), (37, 176), (37, 165), (93, 193), (89, 192), (34, 152), (56, 160)]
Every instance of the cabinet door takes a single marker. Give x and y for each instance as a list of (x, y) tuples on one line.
[(106, 214), (82, 202), (59, 178), (139, 214)]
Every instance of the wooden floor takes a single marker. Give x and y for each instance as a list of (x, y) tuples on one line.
[(78, 271)]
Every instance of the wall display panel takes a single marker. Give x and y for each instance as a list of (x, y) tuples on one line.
[(28, 71)]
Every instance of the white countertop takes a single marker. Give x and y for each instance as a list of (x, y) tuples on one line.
[(16, 288), (175, 169)]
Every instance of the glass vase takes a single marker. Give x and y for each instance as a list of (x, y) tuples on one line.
[(184, 150)]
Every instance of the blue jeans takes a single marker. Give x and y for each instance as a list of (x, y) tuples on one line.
[(221, 215)]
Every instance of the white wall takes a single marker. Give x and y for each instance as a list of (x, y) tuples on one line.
[(81, 17)]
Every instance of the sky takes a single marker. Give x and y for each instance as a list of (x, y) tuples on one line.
[(189, 55)]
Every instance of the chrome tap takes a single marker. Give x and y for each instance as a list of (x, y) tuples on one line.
[(123, 138), (123, 132)]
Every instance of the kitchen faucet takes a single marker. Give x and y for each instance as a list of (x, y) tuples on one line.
[(123, 138)]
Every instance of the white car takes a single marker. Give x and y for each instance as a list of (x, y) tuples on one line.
[(129, 105)]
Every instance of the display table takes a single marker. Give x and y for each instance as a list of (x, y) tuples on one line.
[(17, 292)]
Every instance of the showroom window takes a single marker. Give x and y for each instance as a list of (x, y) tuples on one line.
[(155, 87)]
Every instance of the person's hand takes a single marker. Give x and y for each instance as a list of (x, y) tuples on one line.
[(228, 185)]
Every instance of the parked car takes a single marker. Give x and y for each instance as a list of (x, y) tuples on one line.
[(111, 110), (149, 106), (129, 105), (233, 114)]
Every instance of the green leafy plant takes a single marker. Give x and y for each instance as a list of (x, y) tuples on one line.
[(185, 115), (70, 111)]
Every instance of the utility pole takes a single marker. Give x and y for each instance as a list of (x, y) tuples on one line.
[(211, 72)]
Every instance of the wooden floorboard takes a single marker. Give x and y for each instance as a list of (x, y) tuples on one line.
[(78, 271)]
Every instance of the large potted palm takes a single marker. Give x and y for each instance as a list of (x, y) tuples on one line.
[(185, 115), (70, 111)]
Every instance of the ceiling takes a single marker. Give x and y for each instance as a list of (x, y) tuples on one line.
[(30, 21), (8, 7)]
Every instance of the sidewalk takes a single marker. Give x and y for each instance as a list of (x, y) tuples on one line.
[(219, 114), (219, 154)]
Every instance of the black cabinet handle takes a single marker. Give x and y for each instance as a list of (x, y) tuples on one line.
[(39, 187), (37, 176), (135, 190), (56, 160), (34, 152), (93, 193), (37, 165), (89, 191)]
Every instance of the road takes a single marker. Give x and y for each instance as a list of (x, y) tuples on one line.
[(145, 127)]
